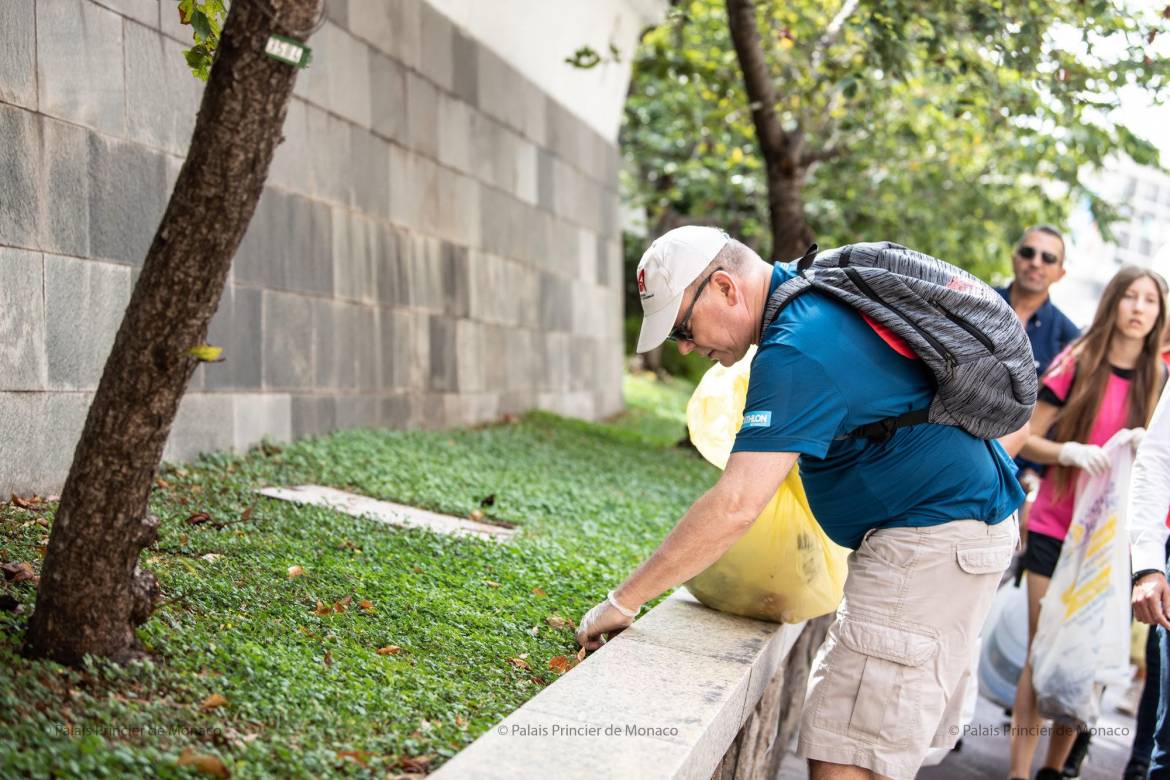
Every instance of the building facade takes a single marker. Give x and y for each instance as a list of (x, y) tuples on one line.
[(1140, 237), (437, 243)]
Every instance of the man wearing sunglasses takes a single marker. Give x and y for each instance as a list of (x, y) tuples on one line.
[(928, 511), (1037, 264)]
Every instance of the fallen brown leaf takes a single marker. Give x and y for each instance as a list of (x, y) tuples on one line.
[(42, 522), (247, 515), (520, 663), (295, 571), (389, 650), (18, 572), (213, 701), (491, 583), (559, 664), (203, 763), (581, 654), (183, 539), (416, 765), (198, 517), (26, 503), (476, 515), (538, 592), (556, 621), (341, 605), (535, 630), (460, 722), (367, 606), (329, 658), (162, 484), (323, 608), (360, 756)]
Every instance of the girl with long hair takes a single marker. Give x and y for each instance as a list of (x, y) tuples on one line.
[(1108, 379)]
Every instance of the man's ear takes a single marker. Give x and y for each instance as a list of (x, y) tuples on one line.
[(725, 283), (1061, 271)]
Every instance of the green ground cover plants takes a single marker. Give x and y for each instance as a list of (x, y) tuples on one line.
[(295, 641)]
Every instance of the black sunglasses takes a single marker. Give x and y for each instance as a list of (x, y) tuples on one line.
[(682, 332), (1029, 252)]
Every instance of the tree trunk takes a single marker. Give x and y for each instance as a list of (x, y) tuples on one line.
[(92, 592), (781, 149), (791, 234)]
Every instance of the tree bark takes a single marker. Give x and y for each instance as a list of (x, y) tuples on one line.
[(780, 149), (92, 592)]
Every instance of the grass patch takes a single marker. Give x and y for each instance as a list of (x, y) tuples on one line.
[(308, 694)]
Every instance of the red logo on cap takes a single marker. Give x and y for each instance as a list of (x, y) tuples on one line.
[(642, 280)]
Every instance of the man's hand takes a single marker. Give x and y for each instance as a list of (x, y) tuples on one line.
[(1151, 600), (601, 620)]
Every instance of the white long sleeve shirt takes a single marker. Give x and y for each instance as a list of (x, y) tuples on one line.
[(1149, 492)]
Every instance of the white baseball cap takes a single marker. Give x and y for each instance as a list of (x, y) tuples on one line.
[(673, 261)]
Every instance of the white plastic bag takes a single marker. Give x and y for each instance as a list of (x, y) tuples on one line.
[(1082, 638), (1005, 645)]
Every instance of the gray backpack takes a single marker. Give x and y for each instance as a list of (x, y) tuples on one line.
[(961, 328)]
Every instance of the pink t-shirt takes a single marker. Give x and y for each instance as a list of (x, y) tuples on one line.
[(1051, 516)]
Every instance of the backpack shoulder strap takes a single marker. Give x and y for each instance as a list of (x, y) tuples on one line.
[(882, 430), (786, 291)]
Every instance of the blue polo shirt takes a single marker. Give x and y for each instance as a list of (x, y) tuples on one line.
[(820, 372), (1049, 330)]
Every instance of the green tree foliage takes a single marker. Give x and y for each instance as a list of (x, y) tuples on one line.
[(944, 126), (206, 18)]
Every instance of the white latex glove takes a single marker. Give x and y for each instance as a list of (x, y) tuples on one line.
[(1088, 457), (604, 619), (1136, 441)]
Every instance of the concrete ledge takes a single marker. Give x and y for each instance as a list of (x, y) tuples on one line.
[(665, 699)]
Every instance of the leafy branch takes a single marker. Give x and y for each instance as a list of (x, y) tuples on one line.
[(206, 18)]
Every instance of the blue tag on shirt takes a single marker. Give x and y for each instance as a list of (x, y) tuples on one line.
[(757, 419)]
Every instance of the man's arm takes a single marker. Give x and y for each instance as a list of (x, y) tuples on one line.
[(713, 523), (1149, 498), (1013, 442)]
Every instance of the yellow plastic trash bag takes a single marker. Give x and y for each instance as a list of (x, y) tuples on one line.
[(785, 568)]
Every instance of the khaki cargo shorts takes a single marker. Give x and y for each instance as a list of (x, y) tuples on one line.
[(888, 683)]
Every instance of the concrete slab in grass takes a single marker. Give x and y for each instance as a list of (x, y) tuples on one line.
[(387, 512)]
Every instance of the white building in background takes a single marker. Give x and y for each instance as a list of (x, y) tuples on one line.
[(1141, 236)]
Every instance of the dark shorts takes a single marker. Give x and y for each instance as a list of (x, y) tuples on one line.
[(1041, 554)]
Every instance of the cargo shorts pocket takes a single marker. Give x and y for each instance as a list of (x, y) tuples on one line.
[(985, 560), (890, 665)]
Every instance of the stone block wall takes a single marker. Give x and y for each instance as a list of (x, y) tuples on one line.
[(437, 244)]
